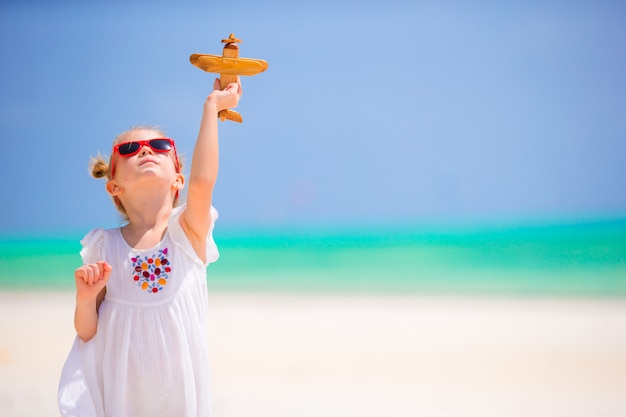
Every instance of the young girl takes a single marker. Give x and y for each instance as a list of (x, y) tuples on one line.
[(141, 297)]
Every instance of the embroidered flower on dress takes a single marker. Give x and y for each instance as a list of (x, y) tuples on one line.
[(151, 273)]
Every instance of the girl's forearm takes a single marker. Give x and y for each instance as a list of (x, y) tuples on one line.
[(205, 159), (86, 319)]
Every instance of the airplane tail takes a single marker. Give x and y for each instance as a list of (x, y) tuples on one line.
[(230, 115)]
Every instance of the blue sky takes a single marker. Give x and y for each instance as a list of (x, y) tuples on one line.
[(380, 113)]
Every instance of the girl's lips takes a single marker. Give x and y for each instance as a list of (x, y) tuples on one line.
[(147, 161)]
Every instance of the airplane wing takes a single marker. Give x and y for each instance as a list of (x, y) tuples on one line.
[(222, 65)]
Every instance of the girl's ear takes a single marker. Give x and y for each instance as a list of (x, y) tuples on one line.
[(179, 182), (113, 188)]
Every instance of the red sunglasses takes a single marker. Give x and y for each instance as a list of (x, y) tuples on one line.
[(128, 149)]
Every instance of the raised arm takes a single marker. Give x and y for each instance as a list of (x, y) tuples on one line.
[(196, 219)]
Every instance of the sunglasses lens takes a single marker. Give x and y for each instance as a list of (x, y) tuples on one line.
[(128, 148), (160, 144)]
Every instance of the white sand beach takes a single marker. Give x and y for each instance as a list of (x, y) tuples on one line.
[(289, 355)]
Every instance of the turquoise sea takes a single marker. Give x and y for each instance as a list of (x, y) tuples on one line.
[(577, 259)]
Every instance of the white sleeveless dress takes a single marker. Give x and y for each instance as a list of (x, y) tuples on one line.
[(149, 356)]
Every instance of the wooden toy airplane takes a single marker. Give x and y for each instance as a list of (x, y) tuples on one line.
[(229, 66)]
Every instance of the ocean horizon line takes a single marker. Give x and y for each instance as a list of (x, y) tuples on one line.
[(568, 258)]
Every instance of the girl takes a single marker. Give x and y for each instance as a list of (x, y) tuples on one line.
[(141, 298)]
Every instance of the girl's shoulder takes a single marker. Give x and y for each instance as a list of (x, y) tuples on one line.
[(180, 239), (94, 242), (98, 235)]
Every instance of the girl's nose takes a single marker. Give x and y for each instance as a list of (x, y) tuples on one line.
[(145, 150)]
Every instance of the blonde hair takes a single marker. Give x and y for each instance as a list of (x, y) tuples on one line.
[(100, 168)]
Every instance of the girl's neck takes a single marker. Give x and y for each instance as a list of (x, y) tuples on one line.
[(147, 224)]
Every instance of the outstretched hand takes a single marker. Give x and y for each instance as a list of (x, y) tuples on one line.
[(228, 98)]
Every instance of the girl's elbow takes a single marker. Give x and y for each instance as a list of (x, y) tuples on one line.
[(85, 331), (86, 337), (202, 187)]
